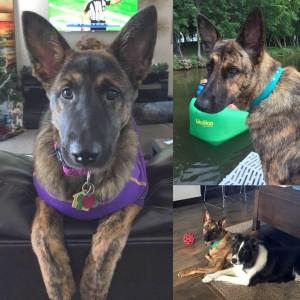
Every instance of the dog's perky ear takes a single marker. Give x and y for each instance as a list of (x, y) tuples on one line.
[(135, 44), (206, 216), (252, 36), (209, 33), (222, 223), (46, 47)]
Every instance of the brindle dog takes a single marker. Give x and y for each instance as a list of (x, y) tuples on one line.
[(217, 255), (91, 96), (238, 71)]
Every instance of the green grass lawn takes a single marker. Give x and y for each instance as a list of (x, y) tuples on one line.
[(70, 12), (125, 7)]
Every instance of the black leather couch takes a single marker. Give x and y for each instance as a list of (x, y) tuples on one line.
[(145, 269)]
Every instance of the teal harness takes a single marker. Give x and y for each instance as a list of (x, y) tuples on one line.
[(268, 89), (214, 244)]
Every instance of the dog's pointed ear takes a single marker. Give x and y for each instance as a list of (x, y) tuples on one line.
[(47, 48), (252, 36), (206, 216), (222, 223), (208, 32), (134, 46)]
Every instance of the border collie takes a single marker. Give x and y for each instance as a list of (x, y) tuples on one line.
[(253, 263)]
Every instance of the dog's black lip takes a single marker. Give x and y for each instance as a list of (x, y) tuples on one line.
[(70, 163), (99, 168), (216, 109), (210, 111)]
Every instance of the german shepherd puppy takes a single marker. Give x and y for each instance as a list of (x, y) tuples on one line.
[(253, 263), (218, 255), (91, 96), (238, 71)]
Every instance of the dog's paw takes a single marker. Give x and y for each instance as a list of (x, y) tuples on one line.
[(181, 274), (220, 278), (208, 278), (208, 257)]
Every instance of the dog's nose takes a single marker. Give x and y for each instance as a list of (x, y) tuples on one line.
[(233, 260), (202, 104), (85, 157)]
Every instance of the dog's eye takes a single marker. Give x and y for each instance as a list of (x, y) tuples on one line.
[(232, 71), (112, 94), (67, 93)]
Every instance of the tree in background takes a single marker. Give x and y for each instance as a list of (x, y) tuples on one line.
[(282, 18), (197, 4), (184, 23)]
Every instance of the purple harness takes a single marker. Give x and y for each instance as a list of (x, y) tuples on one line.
[(133, 192)]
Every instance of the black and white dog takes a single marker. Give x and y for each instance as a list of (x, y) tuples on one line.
[(253, 262)]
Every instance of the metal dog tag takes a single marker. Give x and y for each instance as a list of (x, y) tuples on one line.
[(85, 199)]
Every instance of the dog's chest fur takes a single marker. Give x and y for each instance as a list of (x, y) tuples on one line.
[(223, 249)]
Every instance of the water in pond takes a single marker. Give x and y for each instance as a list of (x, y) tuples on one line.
[(196, 161)]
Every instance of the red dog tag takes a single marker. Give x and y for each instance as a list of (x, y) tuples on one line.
[(88, 201)]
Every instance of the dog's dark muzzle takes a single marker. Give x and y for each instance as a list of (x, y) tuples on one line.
[(208, 105), (83, 156), (89, 143), (206, 237), (93, 155)]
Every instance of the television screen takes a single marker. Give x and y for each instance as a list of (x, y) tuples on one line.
[(91, 15)]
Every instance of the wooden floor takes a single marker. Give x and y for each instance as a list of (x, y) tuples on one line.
[(189, 218)]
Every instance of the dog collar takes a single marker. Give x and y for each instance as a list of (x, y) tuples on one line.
[(214, 244), (268, 89)]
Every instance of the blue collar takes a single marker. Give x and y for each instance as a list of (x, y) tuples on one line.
[(267, 90)]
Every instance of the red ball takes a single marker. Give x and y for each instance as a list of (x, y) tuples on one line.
[(189, 238)]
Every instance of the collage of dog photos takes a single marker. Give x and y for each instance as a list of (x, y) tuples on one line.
[(149, 150)]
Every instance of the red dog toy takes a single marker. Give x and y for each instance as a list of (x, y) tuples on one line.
[(189, 238)]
